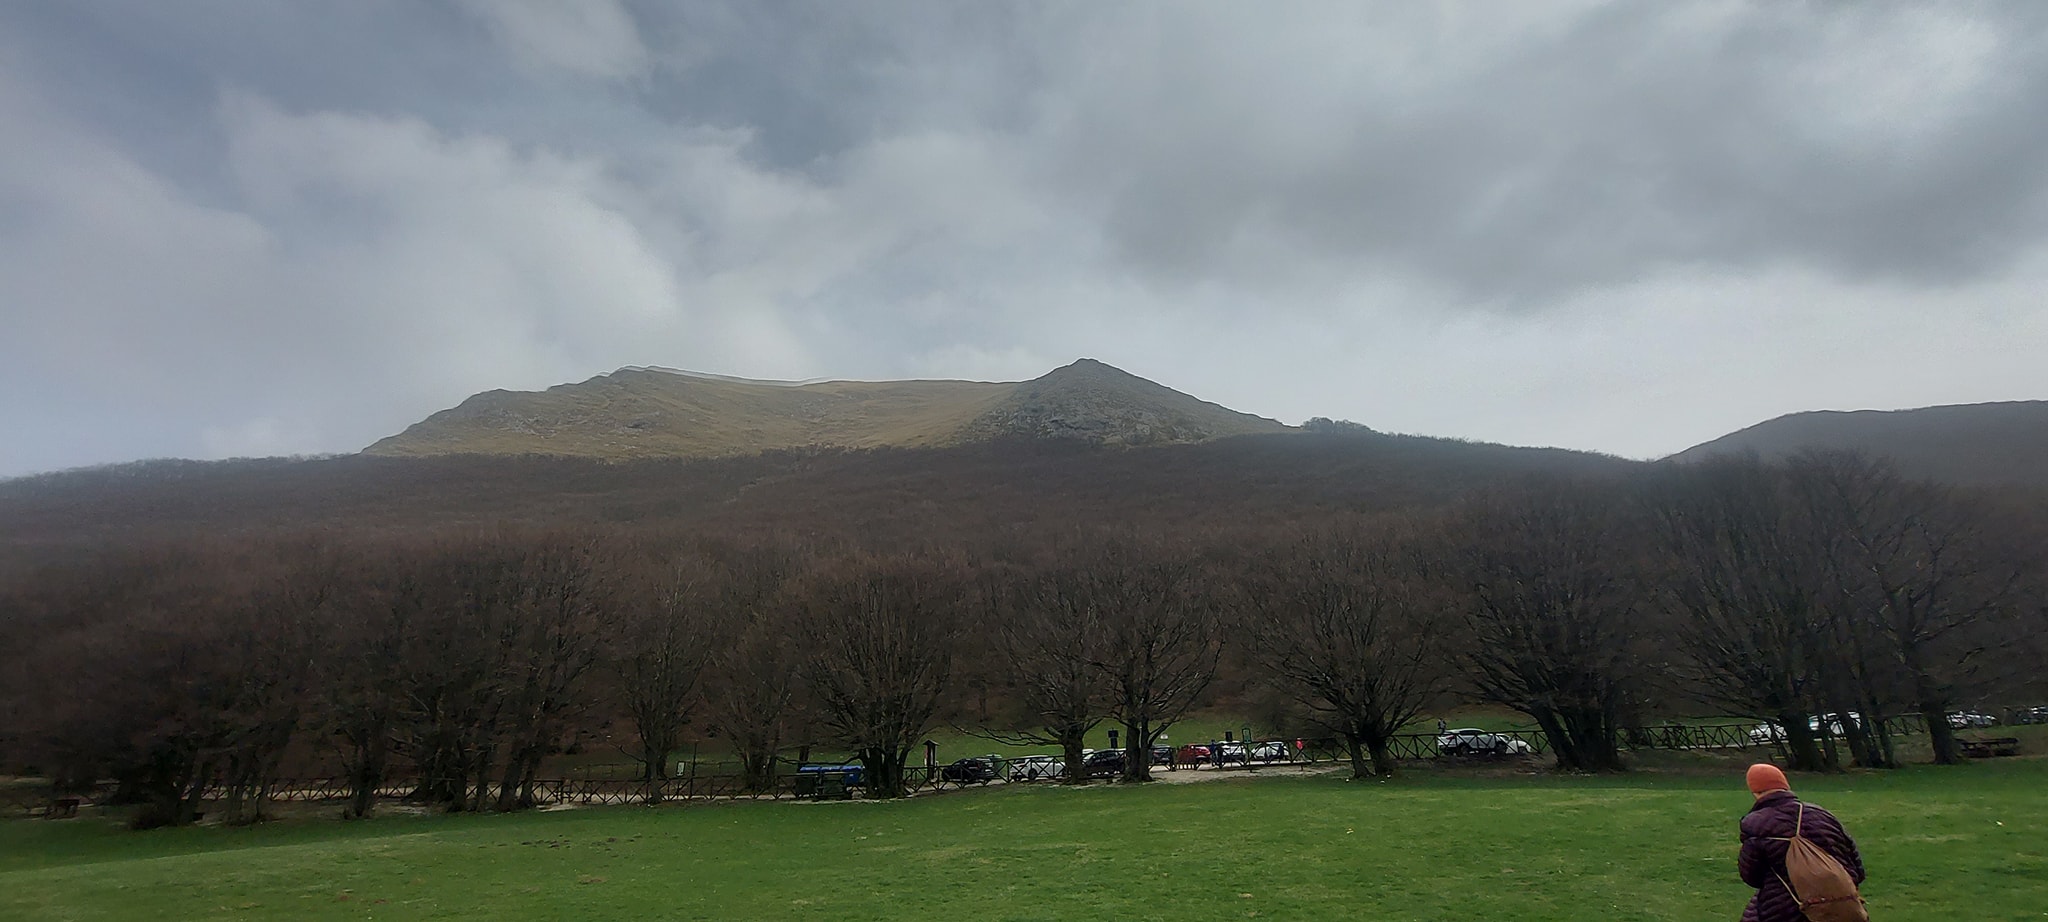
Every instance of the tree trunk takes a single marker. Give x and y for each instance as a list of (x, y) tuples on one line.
[(186, 809), (1592, 735), (1382, 755), (1800, 748), (1354, 745), (1072, 740), (884, 772), (759, 768), (1885, 744), (363, 781), (515, 791), (1939, 734), (1562, 746), (1137, 744), (1861, 753), (235, 799), (1077, 764), (654, 762)]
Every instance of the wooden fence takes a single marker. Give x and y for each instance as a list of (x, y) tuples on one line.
[(721, 781)]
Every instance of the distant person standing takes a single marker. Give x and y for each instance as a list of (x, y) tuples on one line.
[(1767, 834), (1441, 727)]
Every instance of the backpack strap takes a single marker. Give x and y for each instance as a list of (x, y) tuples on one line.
[(1798, 823)]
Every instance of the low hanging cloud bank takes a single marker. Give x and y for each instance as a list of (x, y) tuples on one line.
[(1628, 228)]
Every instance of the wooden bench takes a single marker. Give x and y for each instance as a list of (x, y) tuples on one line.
[(1990, 748)]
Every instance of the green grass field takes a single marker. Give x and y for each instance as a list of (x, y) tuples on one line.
[(1963, 843)]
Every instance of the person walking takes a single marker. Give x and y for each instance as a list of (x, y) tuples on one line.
[(1766, 834)]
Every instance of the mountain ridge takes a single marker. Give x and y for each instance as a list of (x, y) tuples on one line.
[(1977, 444), (649, 411)]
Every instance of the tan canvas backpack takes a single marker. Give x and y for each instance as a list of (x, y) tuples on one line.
[(1823, 888)]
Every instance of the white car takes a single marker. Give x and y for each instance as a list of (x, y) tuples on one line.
[(1965, 720), (1037, 768), (1272, 751), (1471, 741), (1770, 732)]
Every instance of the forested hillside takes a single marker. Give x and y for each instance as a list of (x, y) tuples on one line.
[(879, 495), (191, 629), (1980, 444)]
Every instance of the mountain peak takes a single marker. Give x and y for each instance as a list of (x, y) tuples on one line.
[(1087, 365)]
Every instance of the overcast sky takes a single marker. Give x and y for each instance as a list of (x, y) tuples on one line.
[(253, 227)]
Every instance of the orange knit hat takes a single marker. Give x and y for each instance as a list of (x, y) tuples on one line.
[(1765, 778)]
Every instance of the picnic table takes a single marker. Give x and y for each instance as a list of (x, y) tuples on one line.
[(1990, 748)]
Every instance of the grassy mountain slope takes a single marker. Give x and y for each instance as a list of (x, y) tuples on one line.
[(650, 413), (1980, 444), (645, 413)]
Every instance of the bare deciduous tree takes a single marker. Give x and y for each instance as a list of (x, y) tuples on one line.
[(755, 689), (1551, 628), (1744, 577), (880, 633), (359, 677), (562, 612), (664, 640), (757, 673), (1910, 567), (1160, 637), (1045, 640), (1347, 621)]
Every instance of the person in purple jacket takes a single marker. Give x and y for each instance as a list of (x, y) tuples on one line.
[(1764, 831)]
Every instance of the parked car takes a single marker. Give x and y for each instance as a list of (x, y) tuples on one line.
[(2037, 715), (1192, 754), (1475, 742), (1271, 751), (1226, 753), (1965, 720), (976, 770), (1037, 768), (854, 774), (1770, 732), (1103, 763)]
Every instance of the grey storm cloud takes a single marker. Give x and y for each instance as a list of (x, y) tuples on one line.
[(1865, 142), (252, 228)]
